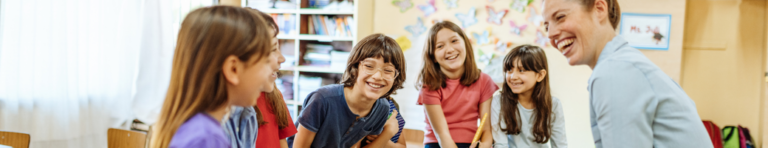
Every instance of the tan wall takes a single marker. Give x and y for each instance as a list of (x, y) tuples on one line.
[(230, 2), (669, 61), (723, 60)]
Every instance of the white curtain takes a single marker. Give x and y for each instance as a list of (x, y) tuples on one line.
[(71, 69)]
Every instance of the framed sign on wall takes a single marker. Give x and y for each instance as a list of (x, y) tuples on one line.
[(646, 31)]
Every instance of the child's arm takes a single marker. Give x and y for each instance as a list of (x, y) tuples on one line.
[(400, 142), (303, 138), (357, 145), (284, 144), (487, 140), (390, 129), (439, 125)]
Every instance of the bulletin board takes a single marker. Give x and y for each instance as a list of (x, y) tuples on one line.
[(568, 83), (493, 26)]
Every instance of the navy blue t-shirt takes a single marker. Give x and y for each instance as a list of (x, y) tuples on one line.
[(327, 114)]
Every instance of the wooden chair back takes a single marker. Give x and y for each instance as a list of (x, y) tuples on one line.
[(14, 139), (118, 138)]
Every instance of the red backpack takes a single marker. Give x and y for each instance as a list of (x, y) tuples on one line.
[(714, 134)]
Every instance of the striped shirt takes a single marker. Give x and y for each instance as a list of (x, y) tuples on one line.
[(400, 121), (242, 127)]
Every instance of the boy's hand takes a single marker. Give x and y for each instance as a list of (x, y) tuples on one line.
[(370, 138), (392, 126)]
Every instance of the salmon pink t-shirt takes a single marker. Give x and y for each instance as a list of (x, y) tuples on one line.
[(270, 133), (461, 106)]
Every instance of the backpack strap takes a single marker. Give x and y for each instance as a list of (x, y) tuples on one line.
[(730, 134)]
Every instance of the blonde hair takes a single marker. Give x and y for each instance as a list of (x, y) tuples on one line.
[(207, 37)]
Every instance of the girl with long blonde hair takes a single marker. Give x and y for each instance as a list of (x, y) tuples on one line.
[(222, 59)]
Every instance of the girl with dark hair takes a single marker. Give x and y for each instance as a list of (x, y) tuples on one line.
[(524, 114), (341, 115)]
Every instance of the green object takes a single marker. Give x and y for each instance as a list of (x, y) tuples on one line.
[(731, 137)]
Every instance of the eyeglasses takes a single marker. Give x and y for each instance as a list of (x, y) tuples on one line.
[(387, 71)]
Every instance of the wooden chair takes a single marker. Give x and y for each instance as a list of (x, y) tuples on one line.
[(118, 138), (13, 139), (414, 138)]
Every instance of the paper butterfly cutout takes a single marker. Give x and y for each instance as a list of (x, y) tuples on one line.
[(517, 29), (541, 40), (494, 16), (429, 8), (404, 43), (519, 5), (482, 57), (535, 18), (403, 4), (416, 29), (451, 3), (482, 38), (502, 46), (467, 19)]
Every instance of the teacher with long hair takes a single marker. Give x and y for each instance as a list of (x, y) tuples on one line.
[(632, 102)]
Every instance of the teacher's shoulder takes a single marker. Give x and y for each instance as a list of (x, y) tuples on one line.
[(623, 64)]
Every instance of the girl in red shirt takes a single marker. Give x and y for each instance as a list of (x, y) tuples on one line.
[(453, 90), (275, 123)]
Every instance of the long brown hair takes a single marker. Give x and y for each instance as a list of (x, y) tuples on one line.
[(274, 98), (531, 58), (431, 77), (372, 46), (614, 11), (206, 38)]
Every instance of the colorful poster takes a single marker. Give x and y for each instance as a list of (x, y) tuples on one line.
[(646, 31)]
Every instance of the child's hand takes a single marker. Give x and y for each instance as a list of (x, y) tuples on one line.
[(481, 145), (370, 138), (392, 126), (474, 145)]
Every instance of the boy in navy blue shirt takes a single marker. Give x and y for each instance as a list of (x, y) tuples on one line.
[(341, 115)]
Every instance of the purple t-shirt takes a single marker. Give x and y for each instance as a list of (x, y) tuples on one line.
[(200, 131)]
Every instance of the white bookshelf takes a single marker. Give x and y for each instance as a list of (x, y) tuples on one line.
[(298, 36)]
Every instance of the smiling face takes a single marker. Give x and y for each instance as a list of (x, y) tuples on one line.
[(450, 51), (521, 80), (571, 30), (376, 78), (258, 75)]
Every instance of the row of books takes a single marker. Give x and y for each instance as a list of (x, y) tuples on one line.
[(325, 55), (331, 25), (272, 4), (286, 23)]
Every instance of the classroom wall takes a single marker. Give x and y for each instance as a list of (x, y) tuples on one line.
[(569, 83), (724, 61), (669, 61)]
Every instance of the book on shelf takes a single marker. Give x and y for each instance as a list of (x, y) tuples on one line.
[(285, 22), (339, 60), (318, 55), (272, 4), (319, 48), (290, 60), (308, 85), (339, 26), (332, 5), (285, 85)]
